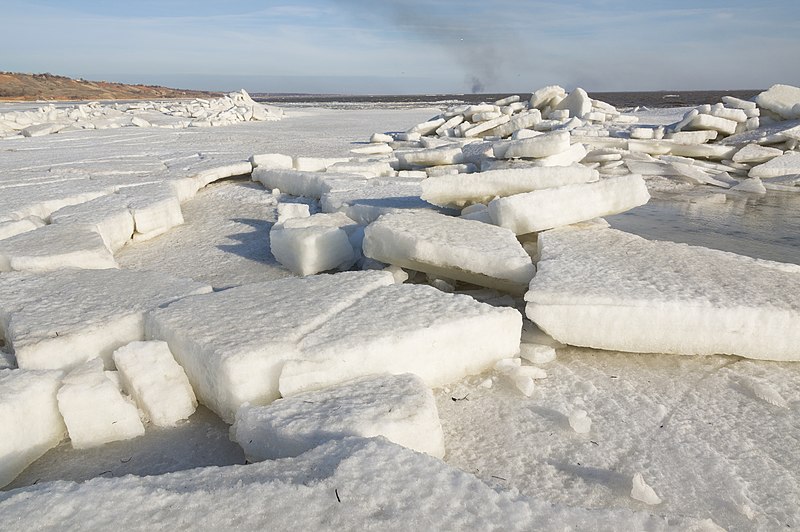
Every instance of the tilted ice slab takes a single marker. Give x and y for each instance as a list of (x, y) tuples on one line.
[(535, 147), (348, 484), (457, 248), (608, 289), (233, 344), (784, 100), (64, 318), (149, 374), (404, 329), (108, 215), (554, 207), (463, 189), (786, 164), (54, 247), (400, 408), (304, 183), (366, 203), (30, 423), (94, 409)]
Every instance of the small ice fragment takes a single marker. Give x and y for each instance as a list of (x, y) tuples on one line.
[(580, 421), (399, 274), (537, 353), (443, 285), (642, 492), (507, 364), (524, 384), (486, 383), (531, 371)]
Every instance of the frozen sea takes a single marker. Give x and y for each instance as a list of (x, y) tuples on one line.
[(698, 428)]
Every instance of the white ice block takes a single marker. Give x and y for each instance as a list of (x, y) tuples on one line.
[(211, 175), (577, 103), (400, 408), (518, 122), (149, 374), (535, 147), (569, 157), (233, 344), (287, 211), (405, 329), (752, 185), (786, 164), (782, 100), (272, 160), (554, 207), (367, 169), (313, 244), (108, 215), (692, 137), (714, 123), (756, 154), (155, 208), (546, 96), (94, 410), (429, 157), (450, 247), (304, 183), (608, 289), (54, 247), (64, 318), (464, 189), (30, 423)]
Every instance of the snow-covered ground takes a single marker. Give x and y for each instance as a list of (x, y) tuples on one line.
[(717, 438)]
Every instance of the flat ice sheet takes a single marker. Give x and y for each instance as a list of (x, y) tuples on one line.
[(58, 320), (608, 289), (404, 329), (342, 485), (400, 408)]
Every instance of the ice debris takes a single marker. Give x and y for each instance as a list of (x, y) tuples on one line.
[(641, 491)]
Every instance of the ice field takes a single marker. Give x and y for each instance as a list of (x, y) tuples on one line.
[(535, 313)]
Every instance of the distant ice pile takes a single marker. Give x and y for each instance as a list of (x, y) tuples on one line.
[(230, 109)]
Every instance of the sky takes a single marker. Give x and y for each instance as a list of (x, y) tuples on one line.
[(408, 46)]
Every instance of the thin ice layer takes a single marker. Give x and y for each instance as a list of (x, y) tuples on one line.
[(554, 207), (233, 344), (400, 408), (405, 329), (61, 319), (466, 250), (608, 289), (30, 423)]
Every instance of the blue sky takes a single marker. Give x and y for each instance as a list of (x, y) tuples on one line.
[(408, 46)]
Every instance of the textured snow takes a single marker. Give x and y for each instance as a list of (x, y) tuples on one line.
[(608, 289), (63, 318), (400, 408), (29, 419), (456, 248)]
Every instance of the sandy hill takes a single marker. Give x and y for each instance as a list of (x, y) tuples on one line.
[(27, 87)]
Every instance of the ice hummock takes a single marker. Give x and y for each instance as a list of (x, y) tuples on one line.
[(400, 408), (609, 289)]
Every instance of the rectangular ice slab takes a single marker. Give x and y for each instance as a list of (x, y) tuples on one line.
[(554, 207), (30, 423), (94, 410), (535, 147), (457, 248), (400, 408), (608, 289), (54, 247), (61, 319), (463, 189), (303, 183), (233, 344), (313, 244), (405, 329), (156, 382)]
